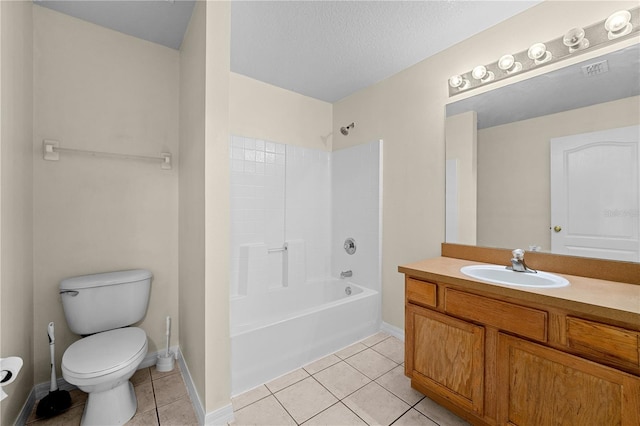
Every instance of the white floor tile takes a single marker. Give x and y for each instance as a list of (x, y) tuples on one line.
[(267, 411), (351, 350), (392, 348), (341, 379), (375, 339), (376, 405), (321, 364), (439, 414), (249, 397), (414, 418), (305, 399), (400, 385), (371, 363), (336, 415), (287, 380)]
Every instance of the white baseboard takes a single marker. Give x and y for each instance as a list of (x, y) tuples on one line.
[(221, 416), (27, 408), (392, 330), (191, 388)]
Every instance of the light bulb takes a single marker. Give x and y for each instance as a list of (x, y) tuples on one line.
[(458, 82), (618, 24), (539, 53), (508, 64), (574, 39), (480, 73)]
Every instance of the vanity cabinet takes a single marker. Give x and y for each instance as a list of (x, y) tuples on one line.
[(542, 386), (439, 342), (497, 360)]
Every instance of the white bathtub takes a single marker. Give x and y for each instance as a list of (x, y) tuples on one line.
[(284, 329)]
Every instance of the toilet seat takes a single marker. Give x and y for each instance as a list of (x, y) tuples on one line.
[(104, 353)]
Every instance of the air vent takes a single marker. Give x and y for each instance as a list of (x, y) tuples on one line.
[(595, 68)]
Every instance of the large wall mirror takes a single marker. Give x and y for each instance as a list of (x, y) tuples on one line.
[(516, 153)]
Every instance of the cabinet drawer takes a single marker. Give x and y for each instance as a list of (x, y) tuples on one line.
[(527, 322), (606, 343), (421, 292)]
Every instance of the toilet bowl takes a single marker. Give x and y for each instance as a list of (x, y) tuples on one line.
[(101, 365), (103, 307)]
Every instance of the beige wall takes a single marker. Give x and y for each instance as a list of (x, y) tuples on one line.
[(16, 205), (191, 204), (98, 89), (204, 202), (407, 112), (461, 145), (514, 159), (260, 110), (217, 221)]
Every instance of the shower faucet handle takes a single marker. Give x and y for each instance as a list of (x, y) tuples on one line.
[(350, 245)]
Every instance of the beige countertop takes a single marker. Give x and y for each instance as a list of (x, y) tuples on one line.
[(608, 299)]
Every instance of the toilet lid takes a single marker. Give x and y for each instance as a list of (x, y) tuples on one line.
[(104, 352)]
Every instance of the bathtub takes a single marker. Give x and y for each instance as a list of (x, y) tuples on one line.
[(284, 329)]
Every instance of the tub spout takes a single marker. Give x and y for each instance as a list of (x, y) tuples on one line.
[(346, 274)]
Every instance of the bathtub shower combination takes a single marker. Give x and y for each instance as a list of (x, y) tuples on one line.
[(299, 289)]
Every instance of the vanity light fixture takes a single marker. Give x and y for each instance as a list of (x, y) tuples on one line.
[(481, 73), (574, 39), (539, 53), (508, 64), (618, 24), (458, 82)]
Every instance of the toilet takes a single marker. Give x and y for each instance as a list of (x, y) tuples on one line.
[(101, 307)]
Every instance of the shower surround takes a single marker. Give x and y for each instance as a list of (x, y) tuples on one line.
[(291, 210)]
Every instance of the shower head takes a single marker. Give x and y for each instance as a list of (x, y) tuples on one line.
[(345, 130)]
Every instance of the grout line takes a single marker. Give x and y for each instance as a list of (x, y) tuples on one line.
[(341, 400), (400, 416), (285, 409), (155, 402)]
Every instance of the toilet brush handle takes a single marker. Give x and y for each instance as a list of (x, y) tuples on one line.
[(52, 352), (168, 333)]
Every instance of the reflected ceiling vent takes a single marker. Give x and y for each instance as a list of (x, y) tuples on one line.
[(595, 68)]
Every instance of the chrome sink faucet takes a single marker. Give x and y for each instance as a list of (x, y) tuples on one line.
[(517, 262), (346, 274)]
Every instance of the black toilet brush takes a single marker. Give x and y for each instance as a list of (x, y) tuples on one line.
[(57, 401)]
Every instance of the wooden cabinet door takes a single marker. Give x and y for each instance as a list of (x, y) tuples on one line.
[(543, 386), (446, 355)]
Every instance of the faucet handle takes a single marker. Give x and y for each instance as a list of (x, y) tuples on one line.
[(518, 254)]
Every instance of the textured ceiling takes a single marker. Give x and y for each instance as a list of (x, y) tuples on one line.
[(323, 49), (160, 21), (330, 49)]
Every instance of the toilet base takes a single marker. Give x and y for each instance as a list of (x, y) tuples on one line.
[(112, 407)]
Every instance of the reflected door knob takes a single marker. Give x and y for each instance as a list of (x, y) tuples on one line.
[(557, 228)]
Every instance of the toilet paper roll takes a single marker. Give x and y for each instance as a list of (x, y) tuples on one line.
[(9, 368)]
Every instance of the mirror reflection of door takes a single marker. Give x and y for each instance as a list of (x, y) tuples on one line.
[(595, 206)]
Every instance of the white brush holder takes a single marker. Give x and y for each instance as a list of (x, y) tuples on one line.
[(165, 362)]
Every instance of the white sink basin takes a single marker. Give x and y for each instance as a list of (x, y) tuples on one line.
[(496, 274)]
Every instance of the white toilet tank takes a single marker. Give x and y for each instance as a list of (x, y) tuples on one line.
[(101, 302)]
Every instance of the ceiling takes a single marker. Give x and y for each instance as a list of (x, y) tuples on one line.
[(323, 49)]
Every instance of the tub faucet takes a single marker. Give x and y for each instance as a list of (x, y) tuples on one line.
[(346, 274), (517, 262)]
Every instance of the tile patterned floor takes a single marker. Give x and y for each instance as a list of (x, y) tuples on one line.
[(162, 400), (363, 384)]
